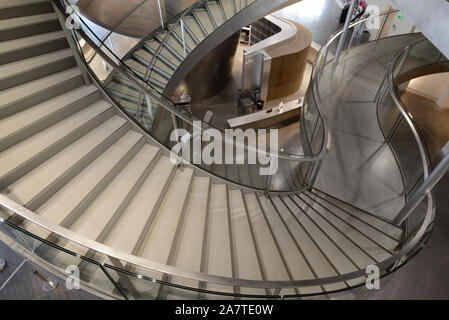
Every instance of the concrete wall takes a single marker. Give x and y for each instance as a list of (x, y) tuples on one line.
[(431, 17)]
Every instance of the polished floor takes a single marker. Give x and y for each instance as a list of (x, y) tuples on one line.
[(321, 17), (425, 277)]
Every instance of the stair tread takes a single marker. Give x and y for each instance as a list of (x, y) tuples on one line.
[(28, 65), (363, 241), (311, 252), (270, 257), (218, 247), (205, 20), (20, 120), (330, 249), (162, 234), (359, 257), (247, 265), (28, 187), (215, 11), (167, 55), (128, 229), (9, 96), (101, 211), (178, 31), (69, 197), (189, 253), (28, 42), (142, 70), (148, 57), (22, 152), (123, 89), (298, 266), (152, 44), (229, 8), (164, 53), (194, 27), (8, 24), (366, 228), (16, 3), (174, 43), (267, 247), (392, 230)]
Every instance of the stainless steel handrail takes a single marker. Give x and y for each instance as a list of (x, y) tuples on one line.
[(231, 282), (428, 183)]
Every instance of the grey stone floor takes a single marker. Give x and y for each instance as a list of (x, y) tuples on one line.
[(17, 281), (426, 276)]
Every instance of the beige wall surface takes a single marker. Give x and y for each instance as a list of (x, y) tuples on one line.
[(435, 87)]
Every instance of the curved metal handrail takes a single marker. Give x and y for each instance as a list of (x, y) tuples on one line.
[(404, 111), (410, 247), (408, 209)]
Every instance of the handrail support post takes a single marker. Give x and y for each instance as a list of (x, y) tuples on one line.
[(160, 13), (183, 37), (345, 30)]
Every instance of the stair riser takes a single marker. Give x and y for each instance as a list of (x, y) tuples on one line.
[(30, 30), (46, 154), (46, 194), (38, 72), (41, 96), (26, 10), (95, 192), (25, 53), (48, 121)]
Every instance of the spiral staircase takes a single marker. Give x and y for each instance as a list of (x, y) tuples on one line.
[(86, 181)]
